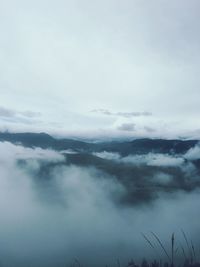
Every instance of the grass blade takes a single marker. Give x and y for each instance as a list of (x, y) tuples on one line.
[(160, 243)]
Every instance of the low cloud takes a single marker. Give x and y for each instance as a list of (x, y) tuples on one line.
[(59, 211), (18, 152), (193, 153), (162, 178), (150, 159), (164, 160), (108, 155)]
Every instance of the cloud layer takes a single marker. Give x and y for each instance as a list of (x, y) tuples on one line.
[(53, 211)]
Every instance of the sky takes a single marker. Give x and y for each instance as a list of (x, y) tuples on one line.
[(99, 69)]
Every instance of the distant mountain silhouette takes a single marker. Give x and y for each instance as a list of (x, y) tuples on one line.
[(137, 146)]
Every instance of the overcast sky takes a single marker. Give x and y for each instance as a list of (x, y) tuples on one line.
[(100, 68)]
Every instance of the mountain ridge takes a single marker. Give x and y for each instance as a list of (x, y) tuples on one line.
[(136, 146)]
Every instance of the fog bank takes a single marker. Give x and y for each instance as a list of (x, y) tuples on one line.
[(69, 212)]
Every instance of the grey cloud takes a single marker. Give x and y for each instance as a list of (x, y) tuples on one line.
[(122, 114), (127, 127), (149, 129), (30, 114), (15, 116), (6, 112)]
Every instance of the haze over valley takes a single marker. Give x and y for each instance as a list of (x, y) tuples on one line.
[(67, 199)]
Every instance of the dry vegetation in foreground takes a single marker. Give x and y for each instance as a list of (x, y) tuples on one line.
[(188, 254)]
